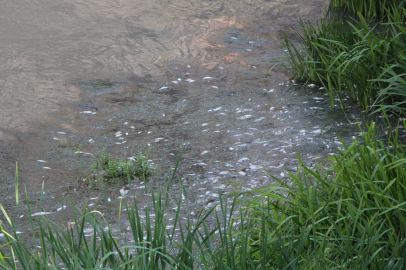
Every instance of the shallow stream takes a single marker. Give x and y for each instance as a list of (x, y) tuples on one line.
[(167, 75)]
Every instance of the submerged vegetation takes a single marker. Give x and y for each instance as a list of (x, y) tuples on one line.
[(348, 216), (358, 54)]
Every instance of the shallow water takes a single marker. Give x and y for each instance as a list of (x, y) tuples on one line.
[(166, 74)]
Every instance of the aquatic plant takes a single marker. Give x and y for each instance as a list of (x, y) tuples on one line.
[(113, 170)]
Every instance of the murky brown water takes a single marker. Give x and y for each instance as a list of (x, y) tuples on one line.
[(169, 74)]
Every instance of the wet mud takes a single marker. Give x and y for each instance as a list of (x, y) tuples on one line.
[(235, 125)]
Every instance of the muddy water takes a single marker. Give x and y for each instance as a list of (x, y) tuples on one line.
[(167, 74)]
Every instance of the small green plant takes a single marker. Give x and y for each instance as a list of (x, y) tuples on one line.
[(113, 170)]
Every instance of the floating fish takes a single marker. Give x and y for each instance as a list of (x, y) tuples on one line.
[(248, 116), (243, 159), (204, 152), (123, 192), (215, 87), (41, 214), (208, 78), (158, 140), (40, 160), (163, 88)]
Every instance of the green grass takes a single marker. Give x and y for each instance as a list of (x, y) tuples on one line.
[(371, 8), (349, 216), (353, 58)]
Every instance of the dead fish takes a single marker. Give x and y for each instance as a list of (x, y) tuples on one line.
[(163, 88), (158, 140), (234, 38), (61, 132), (41, 214), (248, 116), (46, 168), (40, 160), (61, 208), (243, 159), (190, 80), (204, 124), (175, 82), (217, 109), (208, 78), (123, 192), (204, 152), (215, 87)]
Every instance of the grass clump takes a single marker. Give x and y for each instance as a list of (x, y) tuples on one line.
[(114, 170), (352, 219), (353, 58)]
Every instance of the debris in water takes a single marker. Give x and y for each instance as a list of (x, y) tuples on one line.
[(242, 173)]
